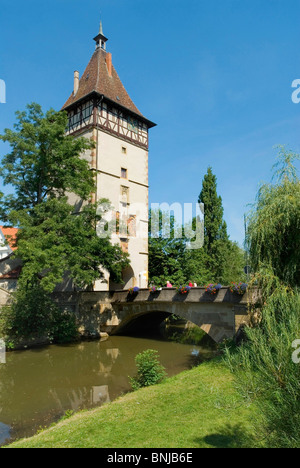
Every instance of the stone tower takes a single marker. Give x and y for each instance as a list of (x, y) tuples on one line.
[(100, 109)]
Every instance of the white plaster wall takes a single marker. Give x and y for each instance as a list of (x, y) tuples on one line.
[(110, 160)]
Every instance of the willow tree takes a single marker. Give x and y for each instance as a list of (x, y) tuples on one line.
[(274, 224), (264, 368), (267, 371)]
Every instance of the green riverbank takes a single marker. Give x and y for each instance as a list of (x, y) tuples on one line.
[(198, 408)]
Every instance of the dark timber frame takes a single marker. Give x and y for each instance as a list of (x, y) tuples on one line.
[(96, 111)]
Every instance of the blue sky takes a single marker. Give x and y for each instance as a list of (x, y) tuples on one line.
[(215, 75)]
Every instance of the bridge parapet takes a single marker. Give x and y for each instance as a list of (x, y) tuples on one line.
[(194, 295), (220, 315)]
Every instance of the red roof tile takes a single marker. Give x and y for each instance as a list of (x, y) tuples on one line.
[(10, 234), (96, 78)]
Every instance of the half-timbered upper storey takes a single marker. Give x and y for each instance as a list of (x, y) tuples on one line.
[(99, 99)]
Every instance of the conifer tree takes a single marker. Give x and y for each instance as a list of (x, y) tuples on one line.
[(216, 241), (215, 227)]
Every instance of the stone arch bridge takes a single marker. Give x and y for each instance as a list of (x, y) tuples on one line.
[(118, 312)]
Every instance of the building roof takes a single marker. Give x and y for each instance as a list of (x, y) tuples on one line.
[(96, 79), (10, 234), (12, 274)]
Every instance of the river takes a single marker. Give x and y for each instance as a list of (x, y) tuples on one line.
[(38, 386)]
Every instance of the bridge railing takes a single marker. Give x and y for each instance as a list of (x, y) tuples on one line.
[(195, 294)]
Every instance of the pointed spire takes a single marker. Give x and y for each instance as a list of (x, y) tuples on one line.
[(100, 39), (101, 29)]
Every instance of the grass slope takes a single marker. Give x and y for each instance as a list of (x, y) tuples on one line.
[(197, 408)]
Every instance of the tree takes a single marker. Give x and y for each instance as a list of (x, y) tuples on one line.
[(219, 260), (223, 259), (55, 240), (274, 223), (233, 264), (43, 163), (265, 371), (225, 266), (166, 251), (266, 374), (43, 167), (196, 267), (215, 228)]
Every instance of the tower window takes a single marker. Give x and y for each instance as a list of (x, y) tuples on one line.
[(124, 195), (124, 150), (123, 173), (124, 245)]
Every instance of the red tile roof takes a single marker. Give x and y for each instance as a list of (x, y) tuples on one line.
[(10, 234), (96, 78)]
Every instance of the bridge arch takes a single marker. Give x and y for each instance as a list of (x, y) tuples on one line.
[(141, 323), (220, 315), (217, 320)]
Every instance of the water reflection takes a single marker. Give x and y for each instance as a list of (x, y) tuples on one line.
[(38, 386), (4, 433), (100, 395)]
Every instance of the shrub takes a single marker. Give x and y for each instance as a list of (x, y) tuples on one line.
[(32, 314), (63, 327), (149, 370)]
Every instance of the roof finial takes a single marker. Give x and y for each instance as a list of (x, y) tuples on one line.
[(101, 28), (100, 38)]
